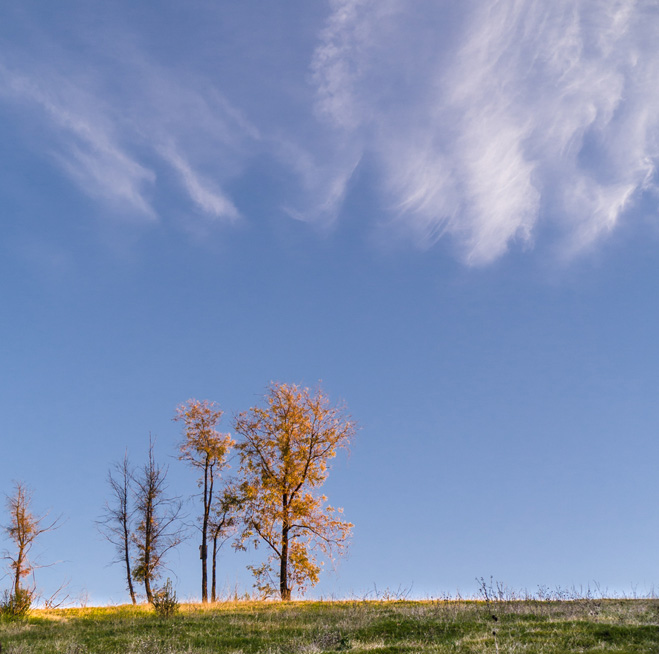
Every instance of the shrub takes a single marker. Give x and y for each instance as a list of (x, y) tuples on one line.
[(16, 605), (165, 601)]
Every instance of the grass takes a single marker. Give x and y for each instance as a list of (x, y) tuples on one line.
[(611, 626)]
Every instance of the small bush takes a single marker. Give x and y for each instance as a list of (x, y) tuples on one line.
[(165, 601), (16, 605)]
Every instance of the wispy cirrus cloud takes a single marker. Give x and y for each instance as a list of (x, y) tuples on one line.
[(490, 119), (115, 143), (486, 122), (201, 191), (83, 140)]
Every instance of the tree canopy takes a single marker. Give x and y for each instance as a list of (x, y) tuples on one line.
[(284, 459), (204, 448)]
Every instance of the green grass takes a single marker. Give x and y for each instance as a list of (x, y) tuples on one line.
[(611, 626)]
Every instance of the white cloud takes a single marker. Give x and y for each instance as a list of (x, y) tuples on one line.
[(86, 147), (482, 121), (487, 119), (323, 176), (202, 192), (337, 65), (113, 143)]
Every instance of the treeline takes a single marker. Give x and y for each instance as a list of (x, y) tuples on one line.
[(283, 448)]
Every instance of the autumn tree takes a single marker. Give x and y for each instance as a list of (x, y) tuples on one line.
[(23, 530), (284, 457), (158, 527), (116, 522), (223, 524), (206, 450)]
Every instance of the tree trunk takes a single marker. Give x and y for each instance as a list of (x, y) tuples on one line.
[(19, 571), (126, 527), (203, 551), (203, 555), (129, 576), (284, 590), (126, 535), (214, 571), (148, 546), (147, 589)]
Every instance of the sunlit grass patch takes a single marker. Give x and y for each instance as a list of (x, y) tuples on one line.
[(611, 626)]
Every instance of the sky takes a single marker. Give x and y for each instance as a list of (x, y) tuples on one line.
[(445, 212)]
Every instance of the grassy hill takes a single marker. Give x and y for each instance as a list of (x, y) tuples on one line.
[(624, 626)]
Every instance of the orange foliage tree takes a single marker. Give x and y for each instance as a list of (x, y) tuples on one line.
[(205, 449), (23, 530), (284, 457)]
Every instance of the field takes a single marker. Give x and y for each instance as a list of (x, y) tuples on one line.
[(349, 626)]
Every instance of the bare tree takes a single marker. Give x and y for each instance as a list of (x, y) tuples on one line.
[(116, 522), (205, 449), (158, 522), (23, 530)]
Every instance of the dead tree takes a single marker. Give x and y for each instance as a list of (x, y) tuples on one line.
[(158, 527), (116, 522)]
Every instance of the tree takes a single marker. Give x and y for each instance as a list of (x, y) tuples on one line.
[(284, 458), (205, 449), (158, 529), (23, 530), (116, 522), (222, 525)]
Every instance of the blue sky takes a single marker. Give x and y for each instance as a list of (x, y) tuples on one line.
[(445, 211)]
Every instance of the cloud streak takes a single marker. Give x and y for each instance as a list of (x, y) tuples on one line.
[(492, 121), (84, 145), (209, 199), (116, 146)]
